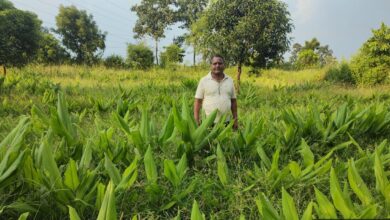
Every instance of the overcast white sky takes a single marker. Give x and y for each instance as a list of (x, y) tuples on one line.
[(342, 24)]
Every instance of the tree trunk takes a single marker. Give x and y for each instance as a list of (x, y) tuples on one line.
[(156, 52), (4, 71), (194, 57), (239, 70)]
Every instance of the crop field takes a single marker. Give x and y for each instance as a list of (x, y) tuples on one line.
[(95, 143)]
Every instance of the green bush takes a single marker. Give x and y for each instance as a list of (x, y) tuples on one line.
[(172, 54), (340, 73), (114, 61), (139, 56), (372, 64)]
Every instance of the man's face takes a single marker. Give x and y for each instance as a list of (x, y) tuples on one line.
[(217, 65)]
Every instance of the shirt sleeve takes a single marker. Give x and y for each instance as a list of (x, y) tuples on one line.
[(200, 91), (233, 91)]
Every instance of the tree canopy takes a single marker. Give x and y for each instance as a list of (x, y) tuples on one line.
[(372, 64), (311, 54), (20, 34), (250, 32), (154, 16), (80, 34)]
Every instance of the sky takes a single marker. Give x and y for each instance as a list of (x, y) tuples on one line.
[(344, 25)]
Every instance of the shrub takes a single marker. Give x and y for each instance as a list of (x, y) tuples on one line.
[(139, 56), (340, 73), (114, 61), (372, 64), (172, 54)]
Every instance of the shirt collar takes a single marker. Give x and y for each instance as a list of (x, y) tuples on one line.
[(210, 77)]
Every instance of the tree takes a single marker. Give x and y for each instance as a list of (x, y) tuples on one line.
[(51, 51), (250, 32), (19, 36), (372, 64), (114, 61), (6, 5), (311, 54), (172, 54), (154, 16), (139, 56), (80, 34), (188, 13)]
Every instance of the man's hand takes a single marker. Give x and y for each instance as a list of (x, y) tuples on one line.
[(235, 125), (197, 105)]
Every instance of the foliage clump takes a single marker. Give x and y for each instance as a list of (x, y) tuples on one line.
[(372, 64), (139, 56), (114, 61)]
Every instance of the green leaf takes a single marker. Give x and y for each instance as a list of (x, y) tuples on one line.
[(339, 200), (289, 210), (24, 216), (307, 154), (294, 169), (380, 176), (129, 176), (357, 184), (167, 130), (308, 214), (170, 172), (325, 207), (108, 210), (73, 213), (369, 213), (263, 156), (195, 213), (182, 166), (150, 167), (223, 171), (112, 171), (100, 195), (71, 178), (267, 210)]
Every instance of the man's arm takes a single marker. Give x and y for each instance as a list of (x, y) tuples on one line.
[(197, 105), (234, 112)]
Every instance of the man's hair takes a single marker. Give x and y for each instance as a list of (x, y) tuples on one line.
[(216, 55)]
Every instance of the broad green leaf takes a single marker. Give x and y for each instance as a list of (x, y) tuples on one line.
[(263, 156), (339, 200), (100, 195), (15, 137), (325, 207), (380, 176), (195, 213), (308, 214), (108, 210), (167, 130), (294, 169), (182, 166), (267, 210), (129, 176), (223, 171), (357, 184), (86, 158), (73, 214), (289, 210), (307, 154), (170, 172), (112, 171), (71, 178), (150, 166), (369, 213), (24, 216)]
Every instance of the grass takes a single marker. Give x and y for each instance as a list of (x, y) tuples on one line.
[(278, 108)]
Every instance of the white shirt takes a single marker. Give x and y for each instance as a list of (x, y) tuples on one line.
[(216, 95)]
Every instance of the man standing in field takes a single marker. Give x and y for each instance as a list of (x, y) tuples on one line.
[(216, 91)]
